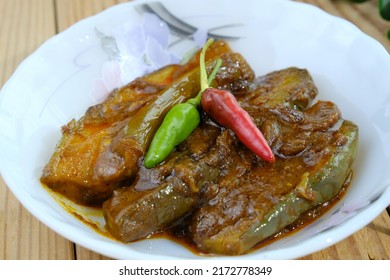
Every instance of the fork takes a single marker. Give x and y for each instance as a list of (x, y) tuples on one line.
[(178, 26)]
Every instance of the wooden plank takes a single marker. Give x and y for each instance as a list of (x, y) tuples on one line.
[(71, 11), (85, 254), (370, 243), (25, 25), (21, 235), (24, 237), (364, 15)]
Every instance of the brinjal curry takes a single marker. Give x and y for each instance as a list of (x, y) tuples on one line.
[(226, 197)]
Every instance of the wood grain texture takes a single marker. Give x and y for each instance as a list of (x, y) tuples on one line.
[(21, 235), (34, 21), (71, 11), (370, 243), (364, 15)]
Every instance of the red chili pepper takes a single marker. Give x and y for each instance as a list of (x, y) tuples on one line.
[(222, 106)]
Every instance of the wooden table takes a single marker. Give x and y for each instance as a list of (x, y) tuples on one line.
[(26, 24)]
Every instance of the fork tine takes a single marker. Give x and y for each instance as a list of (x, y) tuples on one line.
[(178, 26)]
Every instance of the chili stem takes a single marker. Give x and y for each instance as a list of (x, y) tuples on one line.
[(196, 100), (204, 81), (203, 74)]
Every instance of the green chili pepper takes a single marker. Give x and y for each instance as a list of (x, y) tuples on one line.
[(178, 124), (180, 121), (384, 9)]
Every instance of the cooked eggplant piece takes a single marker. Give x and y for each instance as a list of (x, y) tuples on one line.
[(315, 149), (229, 198), (196, 168), (254, 206), (95, 155), (81, 168), (162, 195), (236, 75)]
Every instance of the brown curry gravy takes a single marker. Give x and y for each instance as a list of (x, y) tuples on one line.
[(179, 233)]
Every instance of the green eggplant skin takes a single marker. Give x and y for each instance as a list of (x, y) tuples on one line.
[(146, 212), (133, 213), (325, 181), (100, 152), (230, 199), (137, 211)]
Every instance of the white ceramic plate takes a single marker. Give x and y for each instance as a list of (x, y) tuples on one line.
[(55, 84)]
